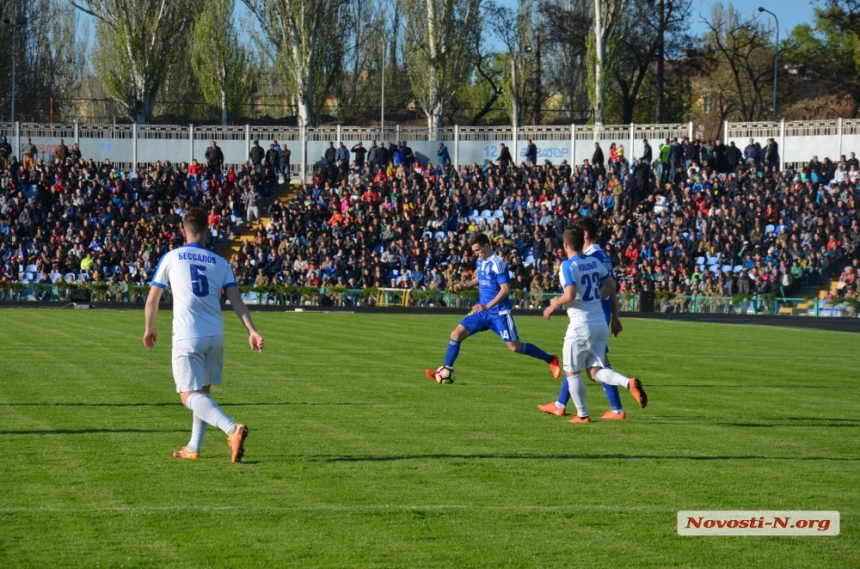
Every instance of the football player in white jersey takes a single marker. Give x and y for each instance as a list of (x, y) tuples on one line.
[(585, 281), (196, 277), (610, 310)]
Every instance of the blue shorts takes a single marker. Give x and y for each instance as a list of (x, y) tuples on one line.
[(502, 323)]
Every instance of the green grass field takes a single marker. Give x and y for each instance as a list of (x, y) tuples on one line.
[(355, 459)]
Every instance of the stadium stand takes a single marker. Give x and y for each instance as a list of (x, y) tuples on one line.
[(702, 218)]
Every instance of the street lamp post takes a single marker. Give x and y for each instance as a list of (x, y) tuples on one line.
[(382, 103), (20, 22), (775, 59)]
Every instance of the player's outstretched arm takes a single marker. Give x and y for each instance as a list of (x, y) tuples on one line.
[(255, 340), (150, 311)]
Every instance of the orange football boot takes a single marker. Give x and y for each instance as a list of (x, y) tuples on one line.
[(237, 442), (635, 387), (184, 453), (554, 367), (613, 416), (578, 419), (552, 409)]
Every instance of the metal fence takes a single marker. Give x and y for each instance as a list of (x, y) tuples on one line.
[(129, 146), (799, 141), (395, 297)]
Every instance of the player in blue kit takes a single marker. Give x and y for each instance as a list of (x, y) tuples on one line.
[(610, 311), (493, 311)]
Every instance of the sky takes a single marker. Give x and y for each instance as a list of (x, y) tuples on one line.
[(789, 12)]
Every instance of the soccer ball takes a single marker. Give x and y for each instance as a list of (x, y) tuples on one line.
[(445, 375)]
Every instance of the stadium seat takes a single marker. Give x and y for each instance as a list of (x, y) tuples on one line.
[(427, 234), (499, 214), (439, 234), (473, 213), (530, 260), (56, 277), (70, 277), (700, 260), (737, 268), (486, 213), (727, 268), (31, 269), (770, 228)]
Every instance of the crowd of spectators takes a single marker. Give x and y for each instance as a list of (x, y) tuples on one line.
[(684, 217)]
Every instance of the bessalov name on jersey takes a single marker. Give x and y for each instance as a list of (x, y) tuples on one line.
[(197, 258)]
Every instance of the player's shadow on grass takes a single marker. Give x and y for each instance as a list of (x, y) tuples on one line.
[(748, 386), (793, 422), (90, 431), (395, 458), (175, 403)]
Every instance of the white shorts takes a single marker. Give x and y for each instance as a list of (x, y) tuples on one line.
[(585, 345), (197, 362)]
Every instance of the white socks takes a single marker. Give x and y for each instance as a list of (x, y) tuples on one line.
[(198, 431), (612, 377), (207, 410), (577, 392)]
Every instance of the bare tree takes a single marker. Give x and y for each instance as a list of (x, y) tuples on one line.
[(137, 42), (649, 30), (441, 42), (221, 64), (515, 31), (306, 39), (742, 53), (605, 28), (568, 25)]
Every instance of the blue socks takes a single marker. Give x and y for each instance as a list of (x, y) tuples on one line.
[(453, 352), (612, 395), (565, 392), (535, 352)]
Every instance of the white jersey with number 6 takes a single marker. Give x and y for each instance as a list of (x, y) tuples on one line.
[(196, 276), (587, 275)]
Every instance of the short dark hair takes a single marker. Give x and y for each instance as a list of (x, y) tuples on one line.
[(196, 221), (589, 225), (574, 236), (479, 239)]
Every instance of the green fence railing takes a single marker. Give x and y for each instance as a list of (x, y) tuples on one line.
[(337, 296)]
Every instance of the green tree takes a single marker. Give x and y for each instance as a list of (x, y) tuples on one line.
[(220, 62), (442, 39), (306, 40), (831, 49), (602, 50), (137, 42)]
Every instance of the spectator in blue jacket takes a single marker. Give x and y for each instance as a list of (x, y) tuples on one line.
[(442, 155)]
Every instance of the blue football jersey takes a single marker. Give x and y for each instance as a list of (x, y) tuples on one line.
[(492, 274), (602, 256)]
